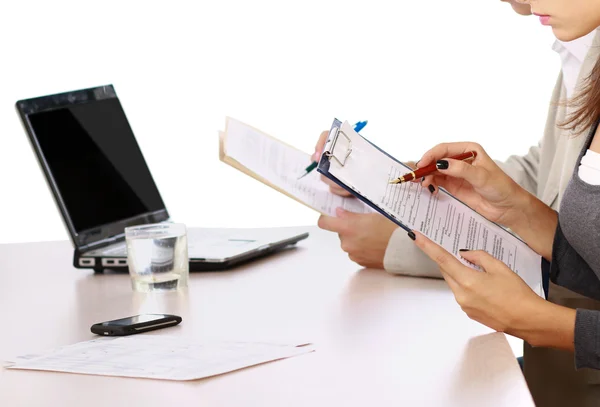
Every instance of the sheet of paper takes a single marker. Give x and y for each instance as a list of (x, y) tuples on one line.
[(442, 218), (281, 165), (157, 357)]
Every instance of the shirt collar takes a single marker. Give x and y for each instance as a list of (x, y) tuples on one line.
[(579, 47)]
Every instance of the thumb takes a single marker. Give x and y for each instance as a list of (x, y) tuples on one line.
[(483, 259), (320, 145)]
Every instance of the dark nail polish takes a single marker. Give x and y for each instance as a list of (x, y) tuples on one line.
[(431, 188), (422, 179), (442, 165), (412, 235), (463, 250)]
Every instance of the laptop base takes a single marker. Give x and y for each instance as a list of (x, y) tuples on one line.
[(100, 264)]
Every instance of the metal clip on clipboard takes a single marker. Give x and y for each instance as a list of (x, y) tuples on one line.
[(331, 154), (335, 151)]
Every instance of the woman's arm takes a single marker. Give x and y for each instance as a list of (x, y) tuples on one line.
[(535, 222), (487, 189), (546, 324), (500, 299)]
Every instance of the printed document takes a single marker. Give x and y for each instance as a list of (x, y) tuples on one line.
[(157, 357), (442, 218), (279, 166)]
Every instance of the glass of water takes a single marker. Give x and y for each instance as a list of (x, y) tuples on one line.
[(157, 256)]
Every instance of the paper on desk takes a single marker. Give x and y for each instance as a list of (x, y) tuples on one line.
[(278, 165), (442, 218), (157, 357)]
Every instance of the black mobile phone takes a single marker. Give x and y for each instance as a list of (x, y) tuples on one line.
[(135, 325)]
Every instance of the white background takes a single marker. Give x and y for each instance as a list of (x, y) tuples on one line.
[(419, 72)]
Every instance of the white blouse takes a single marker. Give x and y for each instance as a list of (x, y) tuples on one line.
[(589, 168)]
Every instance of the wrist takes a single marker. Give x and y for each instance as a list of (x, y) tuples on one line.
[(534, 221), (545, 324), (521, 208)]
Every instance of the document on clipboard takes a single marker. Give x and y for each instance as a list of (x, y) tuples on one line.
[(364, 170), (279, 166)]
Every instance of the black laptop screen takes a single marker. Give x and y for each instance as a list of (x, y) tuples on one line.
[(96, 163)]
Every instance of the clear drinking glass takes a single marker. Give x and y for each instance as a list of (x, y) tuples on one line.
[(157, 256)]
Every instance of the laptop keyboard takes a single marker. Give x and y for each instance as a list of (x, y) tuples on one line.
[(201, 243), (116, 251)]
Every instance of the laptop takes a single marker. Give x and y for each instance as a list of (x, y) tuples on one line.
[(102, 184)]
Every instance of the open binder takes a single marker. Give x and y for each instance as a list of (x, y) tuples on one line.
[(278, 165), (364, 170)]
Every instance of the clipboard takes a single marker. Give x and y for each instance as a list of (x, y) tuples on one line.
[(443, 218), (338, 147)]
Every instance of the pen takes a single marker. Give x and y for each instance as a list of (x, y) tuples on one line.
[(357, 127), (421, 172)]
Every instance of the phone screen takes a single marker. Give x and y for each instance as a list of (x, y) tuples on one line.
[(134, 320)]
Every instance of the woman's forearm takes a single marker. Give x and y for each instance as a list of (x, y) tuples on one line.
[(546, 324), (535, 222)]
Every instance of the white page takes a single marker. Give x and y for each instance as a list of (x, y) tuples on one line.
[(157, 357), (442, 218), (281, 165)]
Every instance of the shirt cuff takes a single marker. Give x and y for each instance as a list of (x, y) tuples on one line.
[(587, 339), (403, 257)]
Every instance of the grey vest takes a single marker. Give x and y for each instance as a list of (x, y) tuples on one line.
[(576, 258)]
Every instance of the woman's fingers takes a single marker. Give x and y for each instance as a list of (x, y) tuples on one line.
[(445, 150), (453, 284), (485, 260), (335, 188), (320, 145), (474, 175), (445, 260), (429, 183)]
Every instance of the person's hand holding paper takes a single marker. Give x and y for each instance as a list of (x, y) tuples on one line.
[(494, 296), (367, 171), (483, 186), (364, 236), (333, 187), (479, 183)]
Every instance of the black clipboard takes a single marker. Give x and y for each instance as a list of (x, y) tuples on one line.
[(341, 156)]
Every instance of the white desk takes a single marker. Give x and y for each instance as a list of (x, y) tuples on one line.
[(381, 340)]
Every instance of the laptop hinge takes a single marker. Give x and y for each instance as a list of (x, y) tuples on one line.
[(103, 243), (109, 240)]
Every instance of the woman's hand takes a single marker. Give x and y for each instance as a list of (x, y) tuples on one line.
[(480, 183), (496, 297), (488, 190), (500, 299)]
